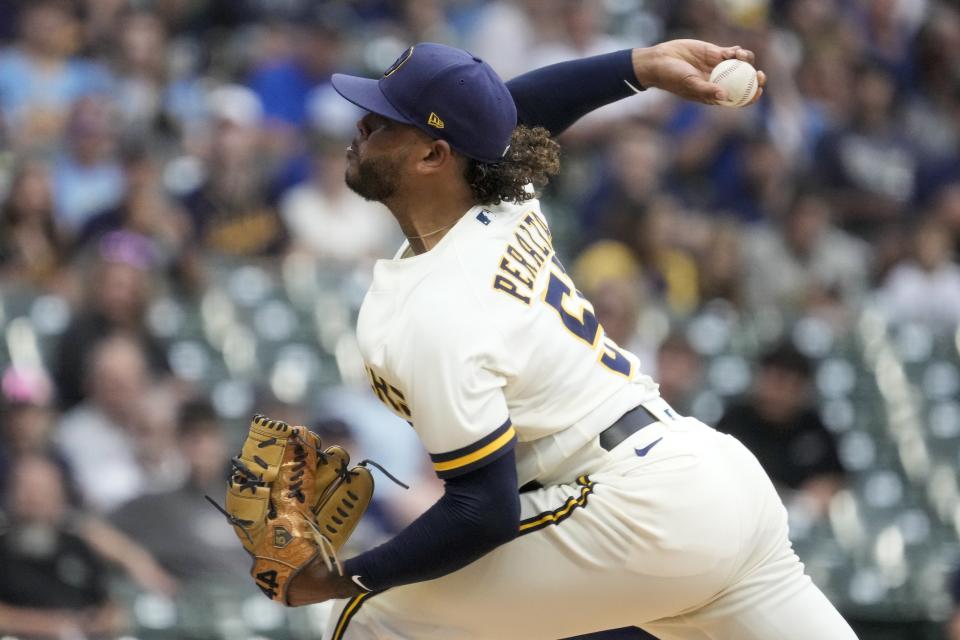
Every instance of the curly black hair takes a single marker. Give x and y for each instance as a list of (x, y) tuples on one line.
[(533, 157)]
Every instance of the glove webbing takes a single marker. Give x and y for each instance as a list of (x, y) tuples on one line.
[(247, 479)]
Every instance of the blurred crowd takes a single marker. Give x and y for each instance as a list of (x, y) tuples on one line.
[(145, 142)]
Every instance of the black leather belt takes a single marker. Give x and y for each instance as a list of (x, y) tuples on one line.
[(627, 425)]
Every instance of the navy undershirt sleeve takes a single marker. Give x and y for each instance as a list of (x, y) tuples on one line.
[(556, 96), (478, 512)]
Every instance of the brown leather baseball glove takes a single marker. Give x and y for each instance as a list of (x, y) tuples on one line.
[(290, 501)]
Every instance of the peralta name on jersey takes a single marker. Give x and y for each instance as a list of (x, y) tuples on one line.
[(524, 258)]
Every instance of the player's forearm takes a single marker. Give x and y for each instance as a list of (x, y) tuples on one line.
[(38, 622), (477, 513), (556, 96)]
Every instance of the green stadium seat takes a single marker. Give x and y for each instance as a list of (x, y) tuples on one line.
[(836, 378), (729, 375)]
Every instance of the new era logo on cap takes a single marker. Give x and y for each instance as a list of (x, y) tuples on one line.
[(434, 121)]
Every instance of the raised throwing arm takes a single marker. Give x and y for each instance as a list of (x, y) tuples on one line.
[(556, 96)]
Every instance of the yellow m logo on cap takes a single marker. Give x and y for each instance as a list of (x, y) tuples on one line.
[(435, 121)]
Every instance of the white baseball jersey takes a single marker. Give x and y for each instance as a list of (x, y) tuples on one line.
[(484, 341)]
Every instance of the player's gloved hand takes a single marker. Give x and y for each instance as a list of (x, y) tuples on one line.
[(683, 67), (292, 503), (317, 583)]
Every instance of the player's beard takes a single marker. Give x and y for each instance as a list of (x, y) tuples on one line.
[(375, 179)]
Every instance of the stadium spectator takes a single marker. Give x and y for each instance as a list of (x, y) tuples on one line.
[(581, 30), (679, 372), (55, 584), (328, 221), (946, 210), (155, 435), (233, 212), (720, 265), (156, 100), (779, 423), (296, 57), (87, 176), (502, 33), (145, 210), (868, 164), (8, 28), (97, 436), (669, 268), (117, 294), (40, 79), (926, 287), (27, 419), (804, 263), (629, 179), (755, 184), (708, 159), (179, 527), (930, 112), (953, 624), (32, 249), (426, 21), (26, 429)]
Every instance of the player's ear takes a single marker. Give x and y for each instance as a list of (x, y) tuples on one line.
[(436, 155)]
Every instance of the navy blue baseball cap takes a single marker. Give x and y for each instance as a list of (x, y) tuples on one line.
[(446, 92)]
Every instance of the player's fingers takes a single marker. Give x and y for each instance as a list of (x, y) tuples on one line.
[(738, 52), (761, 81), (696, 88)]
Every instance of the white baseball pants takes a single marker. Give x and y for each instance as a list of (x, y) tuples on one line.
[(688, 541)]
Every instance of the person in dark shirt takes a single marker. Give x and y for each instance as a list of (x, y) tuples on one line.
[(953, 624), (177, 526), (117, 300), (55, 583), (780, 425), (32, 248), (27, 419), (233, 210)]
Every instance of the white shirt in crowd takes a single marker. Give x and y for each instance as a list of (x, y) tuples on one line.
[(911, 293)]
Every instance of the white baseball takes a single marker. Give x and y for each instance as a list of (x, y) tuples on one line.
[(738, 79)]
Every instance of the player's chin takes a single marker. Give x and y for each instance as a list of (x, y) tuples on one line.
[(352, 171)]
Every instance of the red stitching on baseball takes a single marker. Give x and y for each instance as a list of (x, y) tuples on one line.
[(729, 70), (747, 91)]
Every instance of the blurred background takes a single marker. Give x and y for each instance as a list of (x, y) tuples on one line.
[(178, 251)]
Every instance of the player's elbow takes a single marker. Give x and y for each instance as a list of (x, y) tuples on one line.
[(502, 524), (487, 503)]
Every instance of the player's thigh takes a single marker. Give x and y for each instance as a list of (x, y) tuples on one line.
[(775, 600), (547, 584), (590, 556), (807, 615)]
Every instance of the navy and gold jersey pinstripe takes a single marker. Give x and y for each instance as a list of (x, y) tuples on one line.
[(484, 342)]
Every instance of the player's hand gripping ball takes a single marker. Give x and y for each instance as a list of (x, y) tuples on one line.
[(739, 79)]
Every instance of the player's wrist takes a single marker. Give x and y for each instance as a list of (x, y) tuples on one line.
[(643, 66), (316, 583)]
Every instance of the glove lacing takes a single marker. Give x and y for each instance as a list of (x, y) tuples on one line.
[(245, 478)]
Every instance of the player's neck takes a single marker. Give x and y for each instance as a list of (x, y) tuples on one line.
[(426, 219)]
